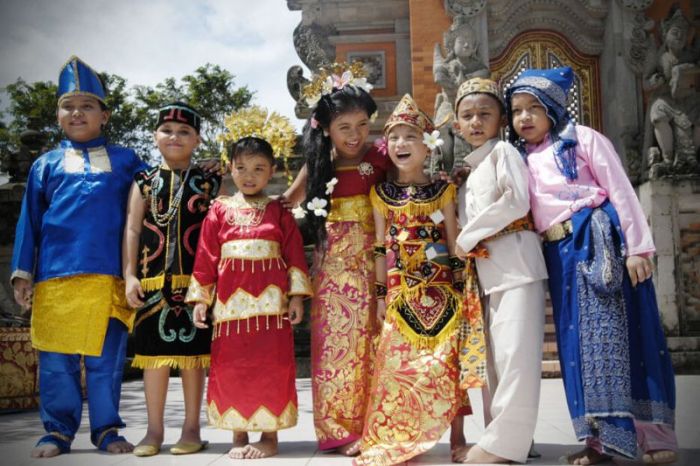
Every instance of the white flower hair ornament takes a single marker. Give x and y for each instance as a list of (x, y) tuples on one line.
[(298, 212), (330, 186), (318, 207), (433, 140)]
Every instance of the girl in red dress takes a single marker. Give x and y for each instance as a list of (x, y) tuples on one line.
[(250, 266)]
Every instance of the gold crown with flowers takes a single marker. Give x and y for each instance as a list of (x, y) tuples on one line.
[(258, 122), (408, 113), (477, 85), (333, 77)]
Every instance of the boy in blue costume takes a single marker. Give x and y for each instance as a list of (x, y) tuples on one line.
[(67, 255)]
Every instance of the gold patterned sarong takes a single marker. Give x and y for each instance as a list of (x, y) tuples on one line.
[(415, 396), (343, 327), (70, 314)]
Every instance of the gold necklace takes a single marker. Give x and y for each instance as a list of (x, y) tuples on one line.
[(245, 213)]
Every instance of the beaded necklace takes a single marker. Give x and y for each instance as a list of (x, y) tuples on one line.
[(165, 218)]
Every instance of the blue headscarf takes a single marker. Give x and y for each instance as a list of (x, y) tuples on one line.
[(550, 88)]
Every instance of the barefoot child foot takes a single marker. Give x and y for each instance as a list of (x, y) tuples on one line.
[(660, 457), (45, 450), (266, 447), (478, 455), (458, 442), (240, 445), (119, 446), (350, 449), (587, 456)]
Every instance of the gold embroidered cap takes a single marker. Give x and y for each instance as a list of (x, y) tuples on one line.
[(476, 85), (408, 113), (257, 122)]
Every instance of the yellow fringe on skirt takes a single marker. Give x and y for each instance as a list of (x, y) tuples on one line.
[(157, 283), (201, 361)]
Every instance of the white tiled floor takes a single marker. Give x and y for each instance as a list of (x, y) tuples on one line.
[(554, 435)]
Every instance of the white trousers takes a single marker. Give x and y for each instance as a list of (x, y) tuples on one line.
[(515, 323)]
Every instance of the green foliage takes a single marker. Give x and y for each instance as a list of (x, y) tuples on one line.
[(134, 111), (32, 106)]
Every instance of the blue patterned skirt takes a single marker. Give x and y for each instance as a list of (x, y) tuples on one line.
[(614, 361)]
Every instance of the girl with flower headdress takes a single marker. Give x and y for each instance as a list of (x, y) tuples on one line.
[(250, 266), (615, 365), (415, 393), (339, 172), (167, 205)]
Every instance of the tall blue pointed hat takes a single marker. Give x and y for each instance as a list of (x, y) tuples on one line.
[(551, 88), (77, 78)]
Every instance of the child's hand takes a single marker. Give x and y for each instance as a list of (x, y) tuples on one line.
[(23, 290), (459, 252), (639, 269), (381, 310), (296, 310), (199, 315), (286, 203), (459, 175), (134, 292), (210, 165)]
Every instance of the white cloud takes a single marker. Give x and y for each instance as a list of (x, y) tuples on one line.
[(148, 41)]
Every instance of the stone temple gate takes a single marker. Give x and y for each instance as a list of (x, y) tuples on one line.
[(637, 73)]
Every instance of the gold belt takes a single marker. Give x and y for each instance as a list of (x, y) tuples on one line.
[(558, 231)]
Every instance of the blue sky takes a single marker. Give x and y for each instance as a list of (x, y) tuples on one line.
[(147, 41)]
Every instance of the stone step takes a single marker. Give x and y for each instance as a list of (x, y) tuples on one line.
[(551, 368)]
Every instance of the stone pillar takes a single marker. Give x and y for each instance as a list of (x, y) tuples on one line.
[(672, 208)]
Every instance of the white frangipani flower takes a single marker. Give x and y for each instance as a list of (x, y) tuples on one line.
[(330, 186), (318, 207), (362, 83), (433, 140), (299, 212)]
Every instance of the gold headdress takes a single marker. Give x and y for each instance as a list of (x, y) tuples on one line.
[(257, 122), (408, 113), (334, 77), (477, 85)]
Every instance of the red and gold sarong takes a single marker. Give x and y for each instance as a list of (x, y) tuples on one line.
[(343, 329)]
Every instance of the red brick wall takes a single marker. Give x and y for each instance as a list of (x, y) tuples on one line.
[(428, 21)]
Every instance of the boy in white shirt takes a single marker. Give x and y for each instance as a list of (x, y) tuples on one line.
[(498, 235)]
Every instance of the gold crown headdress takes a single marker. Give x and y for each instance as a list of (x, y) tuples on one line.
[(334, 77), (408, 113), (257, 122)]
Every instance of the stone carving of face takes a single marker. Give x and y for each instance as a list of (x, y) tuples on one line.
[(465, 45), (675, 38)]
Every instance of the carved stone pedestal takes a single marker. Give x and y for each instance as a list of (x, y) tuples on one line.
[(672, 208)]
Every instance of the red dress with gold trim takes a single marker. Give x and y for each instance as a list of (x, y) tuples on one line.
[(250, 259)]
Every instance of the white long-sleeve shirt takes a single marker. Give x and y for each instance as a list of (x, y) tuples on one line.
[(494, 195)]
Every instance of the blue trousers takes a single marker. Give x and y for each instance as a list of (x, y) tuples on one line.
[(61, 403)]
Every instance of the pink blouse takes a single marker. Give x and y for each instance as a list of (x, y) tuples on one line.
[(601, 176)]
